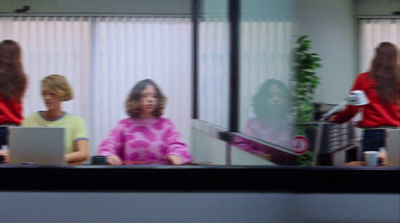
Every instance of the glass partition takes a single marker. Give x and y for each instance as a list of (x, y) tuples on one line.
[(213, 62), (267, 33), (266, 73)]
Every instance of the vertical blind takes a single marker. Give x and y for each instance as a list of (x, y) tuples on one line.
[(265, 54), (372, 32), (214, 71), (130, 49), (53, 45), (103, 57)]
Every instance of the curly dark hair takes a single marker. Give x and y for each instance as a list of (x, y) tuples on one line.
[(132, 104), (13, 80), (261, 109), (385, 70)]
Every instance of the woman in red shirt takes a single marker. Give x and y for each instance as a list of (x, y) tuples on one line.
[(13, 83), (382, 88)]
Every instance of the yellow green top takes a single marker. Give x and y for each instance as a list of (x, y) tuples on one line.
[(75, 128)]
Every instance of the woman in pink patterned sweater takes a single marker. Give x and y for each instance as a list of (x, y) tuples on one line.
[(145, 137)]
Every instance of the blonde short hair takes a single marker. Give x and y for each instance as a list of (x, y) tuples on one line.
[(59, 85)]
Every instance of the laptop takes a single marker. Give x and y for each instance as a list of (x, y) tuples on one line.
[(36, 145), (393, 147)]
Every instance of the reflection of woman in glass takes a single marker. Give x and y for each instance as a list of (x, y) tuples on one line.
[(272, 108), (272, 121)]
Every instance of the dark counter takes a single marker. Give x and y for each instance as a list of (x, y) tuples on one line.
[(200, 178)]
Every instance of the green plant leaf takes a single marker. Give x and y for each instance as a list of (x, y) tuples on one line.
[(305, 81)]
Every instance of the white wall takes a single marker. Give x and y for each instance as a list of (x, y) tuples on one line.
[(348, 208), (376, 7), (198, 207), (99, 6), (331, 26)]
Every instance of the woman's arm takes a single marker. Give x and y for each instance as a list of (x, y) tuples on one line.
[(350, 111), (112, 145), (80, 145), (178, 151), (81, 152), (345, 116)]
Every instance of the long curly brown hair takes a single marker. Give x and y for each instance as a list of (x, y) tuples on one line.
[(385, 70), (13, 80)]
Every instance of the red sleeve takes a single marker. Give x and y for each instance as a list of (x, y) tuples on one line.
[(10, 112), (350, 111)]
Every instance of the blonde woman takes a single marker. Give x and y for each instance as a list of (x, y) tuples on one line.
[(55, 89)]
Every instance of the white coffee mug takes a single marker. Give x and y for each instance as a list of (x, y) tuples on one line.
[(371, 158)]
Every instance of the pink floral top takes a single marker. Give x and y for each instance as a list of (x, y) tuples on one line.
[(149, 140)]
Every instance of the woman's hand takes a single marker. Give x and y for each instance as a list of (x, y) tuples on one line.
[(114, 160), (331, 118), (174, 159), (4, 153)]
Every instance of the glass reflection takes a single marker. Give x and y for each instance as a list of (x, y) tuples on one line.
[(213, 61), (272, 122), (266, 34)]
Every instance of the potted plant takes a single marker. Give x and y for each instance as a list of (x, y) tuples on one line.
[(305, 82)]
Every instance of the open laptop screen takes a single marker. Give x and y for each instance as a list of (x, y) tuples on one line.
[(41, 145)]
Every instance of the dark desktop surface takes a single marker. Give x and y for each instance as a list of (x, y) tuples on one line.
[(200, 178)]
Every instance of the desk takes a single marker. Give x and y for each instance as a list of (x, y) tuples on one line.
[(199, 178), (359, 163), (338, 157), (140, 163), (161, 163), (69, 163), (355, 163), (76, 163)]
